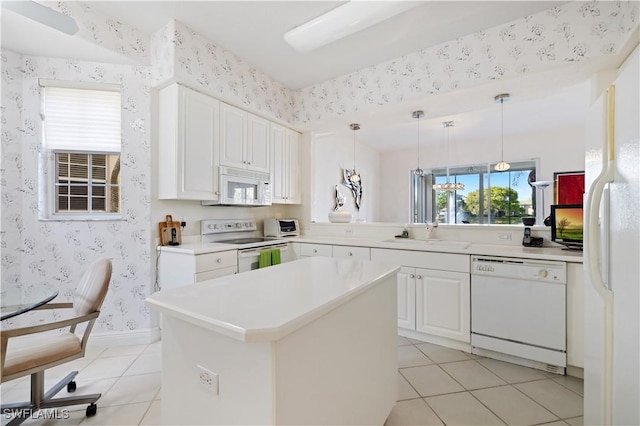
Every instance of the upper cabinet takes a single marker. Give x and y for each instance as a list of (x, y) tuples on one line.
[(188, 138), (244, 139), (285, 165)]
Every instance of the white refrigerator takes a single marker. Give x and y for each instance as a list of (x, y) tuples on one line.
[(612, 254)]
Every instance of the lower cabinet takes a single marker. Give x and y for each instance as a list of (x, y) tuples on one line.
[(177, 268), (443, 304), (432, 301)]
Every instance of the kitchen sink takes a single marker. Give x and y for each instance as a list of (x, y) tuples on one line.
[(430, 242), (450, 244)]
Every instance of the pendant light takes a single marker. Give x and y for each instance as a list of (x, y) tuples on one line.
[(418, 115), (448, 186), (502, 166), (355, 177)]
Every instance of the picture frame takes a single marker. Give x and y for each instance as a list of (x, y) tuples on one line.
[(568, 187)]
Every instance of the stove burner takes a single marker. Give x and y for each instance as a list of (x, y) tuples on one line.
[(245, 240)]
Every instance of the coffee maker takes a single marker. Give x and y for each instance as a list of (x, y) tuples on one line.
[(528, 240)]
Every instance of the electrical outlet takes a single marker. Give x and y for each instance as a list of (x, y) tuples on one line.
[(504, 235), (208, 379)]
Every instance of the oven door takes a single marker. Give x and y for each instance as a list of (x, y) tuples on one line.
[(248, 258)]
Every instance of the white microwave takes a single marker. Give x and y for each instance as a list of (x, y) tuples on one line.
[(239, 187)]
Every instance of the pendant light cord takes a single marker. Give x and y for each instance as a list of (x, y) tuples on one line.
[(418, 121), (502, 129), (354, 150)]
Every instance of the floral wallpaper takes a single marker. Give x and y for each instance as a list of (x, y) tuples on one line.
[(55, 253), (189, 58), (11, 202), (105, 30), (559, 36)]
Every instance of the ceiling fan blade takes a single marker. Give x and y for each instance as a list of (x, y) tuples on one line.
[(43, 14)]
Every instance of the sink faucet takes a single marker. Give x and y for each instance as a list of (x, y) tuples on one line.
[(430, 229)]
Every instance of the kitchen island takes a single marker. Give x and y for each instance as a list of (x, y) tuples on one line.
[(305, 342)]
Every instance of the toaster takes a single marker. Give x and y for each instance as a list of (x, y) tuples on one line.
[(281, 227)]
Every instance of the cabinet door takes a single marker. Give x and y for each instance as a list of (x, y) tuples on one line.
[(258, 153), (294, 194), (188, 141), (349, 252), (233, 135), (443, 305), (278, 168), (407, 298), (575, 315)]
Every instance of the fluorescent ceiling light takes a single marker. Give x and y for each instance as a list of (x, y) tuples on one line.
[(342, 21), (43, 15)]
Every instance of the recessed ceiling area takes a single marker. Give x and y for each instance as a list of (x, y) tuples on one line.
[(254, 30)]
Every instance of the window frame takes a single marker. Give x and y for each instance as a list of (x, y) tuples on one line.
[(484, 182), (53, 201), (48, 171)]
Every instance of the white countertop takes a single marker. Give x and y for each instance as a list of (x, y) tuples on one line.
[(540, 253), (267, 304)]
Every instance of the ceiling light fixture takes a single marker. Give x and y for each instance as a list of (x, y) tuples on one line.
[(355, 177), (502, 166), (43, 15), (342, 21), (418, 115), (448, 186)]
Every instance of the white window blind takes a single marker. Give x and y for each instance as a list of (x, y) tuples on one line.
[(82, 120)]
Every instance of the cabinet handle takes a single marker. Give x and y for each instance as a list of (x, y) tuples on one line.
[(218, 260), (217, 193), (248, 162), (350, 254), (315, 251), (412, 276), (419, 277)]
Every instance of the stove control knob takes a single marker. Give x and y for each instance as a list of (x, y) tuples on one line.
[(543, 273)]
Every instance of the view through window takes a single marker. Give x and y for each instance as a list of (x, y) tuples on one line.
[(488, 196)]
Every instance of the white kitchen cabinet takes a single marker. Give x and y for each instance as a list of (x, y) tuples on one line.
[(433, 292), (443, 304), (285, 165), (244, 139), (575, 315), (361, 253), (407, 297), (188, 141), (177, 268)]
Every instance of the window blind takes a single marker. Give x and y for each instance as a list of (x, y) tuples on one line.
[(82, 120)]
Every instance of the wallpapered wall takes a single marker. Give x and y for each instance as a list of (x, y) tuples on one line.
[(182, 54), (54, 253), (546, 40)]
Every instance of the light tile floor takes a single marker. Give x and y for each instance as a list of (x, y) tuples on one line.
[(436, 386)]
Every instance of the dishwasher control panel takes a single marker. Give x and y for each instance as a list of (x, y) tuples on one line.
[(526, 269)]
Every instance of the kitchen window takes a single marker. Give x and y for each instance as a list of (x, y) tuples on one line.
[(82, 142), (488, 196)]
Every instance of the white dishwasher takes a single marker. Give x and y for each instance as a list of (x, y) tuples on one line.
[(518, 311)]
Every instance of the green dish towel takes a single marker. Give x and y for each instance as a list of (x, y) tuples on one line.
[(265, 259), (275, 256)]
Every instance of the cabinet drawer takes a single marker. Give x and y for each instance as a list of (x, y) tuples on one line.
[(424, 259), (216, 273), (315, 250), (362, 253), (211, 261)]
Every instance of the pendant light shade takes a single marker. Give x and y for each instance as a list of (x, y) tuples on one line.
[(448, 186), (418, 115), (355, 177), (502, 166)]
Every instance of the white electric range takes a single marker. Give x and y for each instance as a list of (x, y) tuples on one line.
[(244, 234)]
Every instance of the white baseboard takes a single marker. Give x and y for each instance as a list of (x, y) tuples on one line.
[(124, 338)]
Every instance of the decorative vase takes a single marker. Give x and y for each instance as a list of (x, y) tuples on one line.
[(340, 217)]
